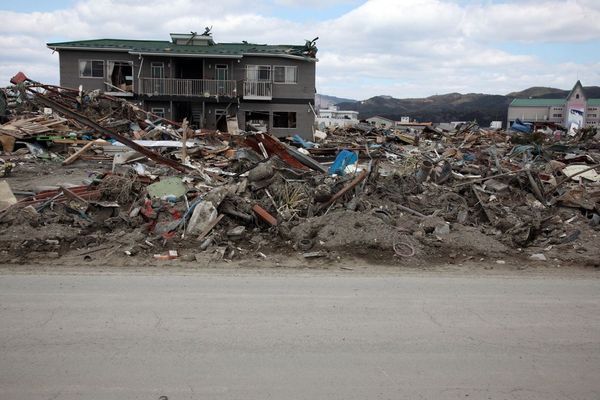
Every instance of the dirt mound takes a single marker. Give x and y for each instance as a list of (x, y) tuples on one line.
[(355, 233)]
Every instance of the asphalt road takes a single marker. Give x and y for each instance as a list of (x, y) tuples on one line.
[(297, 336)]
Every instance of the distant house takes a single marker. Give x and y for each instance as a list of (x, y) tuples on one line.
[(381, 122), (404, 123), (411, 125), (191, 76), (332, 117), (574, 111)]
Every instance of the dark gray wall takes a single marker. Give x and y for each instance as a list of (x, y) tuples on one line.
[(305, 118), (146, 65), (69, 67), (304, 89), (298, 95)]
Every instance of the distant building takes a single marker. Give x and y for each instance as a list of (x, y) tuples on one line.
[(381, 122), (457, 123), (411, 125), (574, 111), (332, 117), (404, 123)]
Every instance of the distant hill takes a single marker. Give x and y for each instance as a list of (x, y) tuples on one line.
[(540, 92), (483, 108), (324, 101)]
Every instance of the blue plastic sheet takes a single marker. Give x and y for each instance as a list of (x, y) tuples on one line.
[(302, 142), (343, 159), (519, 126)]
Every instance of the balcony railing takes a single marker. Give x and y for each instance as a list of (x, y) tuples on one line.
[(187, 87), (258, 90)]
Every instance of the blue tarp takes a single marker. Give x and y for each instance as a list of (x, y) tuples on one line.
[(302, 142), (519, 126), (343, 159)]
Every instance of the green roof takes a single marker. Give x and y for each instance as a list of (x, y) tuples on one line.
[(537, 102), (593, 102), (164, 47)]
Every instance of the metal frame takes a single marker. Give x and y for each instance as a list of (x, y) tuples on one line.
[(284, 74), (79, 60)]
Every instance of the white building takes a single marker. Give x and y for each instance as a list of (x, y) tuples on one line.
[(381, 122), (332, 117)]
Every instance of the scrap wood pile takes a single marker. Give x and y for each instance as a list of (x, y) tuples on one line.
[(173, 192)]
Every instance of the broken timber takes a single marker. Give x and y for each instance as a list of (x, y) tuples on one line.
[(348, 187), (108, 132)]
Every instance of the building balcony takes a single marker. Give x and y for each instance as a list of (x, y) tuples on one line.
[(258, 90), (187, 87)]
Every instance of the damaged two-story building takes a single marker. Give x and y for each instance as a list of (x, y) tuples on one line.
[(191, 76)]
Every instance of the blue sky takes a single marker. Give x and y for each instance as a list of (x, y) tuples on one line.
[(403, 48), (286, 10), (35, 5)]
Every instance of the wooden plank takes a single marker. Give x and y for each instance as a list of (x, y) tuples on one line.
[(264, 215), (211, 226), (78, 154), (345, 189)]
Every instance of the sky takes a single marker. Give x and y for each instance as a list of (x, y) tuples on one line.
[(401, 48)]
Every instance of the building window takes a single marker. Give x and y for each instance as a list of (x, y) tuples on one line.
[(285, 74), (592, 115), (556, 115), (120, 74), (258, 73), (284, 120), (158, 111), (577, 96), (91, 69), (593, 109), (257, 120)]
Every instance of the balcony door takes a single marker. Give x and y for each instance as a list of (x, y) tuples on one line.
[(157, 72), (222, 75)]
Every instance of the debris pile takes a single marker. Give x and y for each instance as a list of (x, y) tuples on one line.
[(159, 190)]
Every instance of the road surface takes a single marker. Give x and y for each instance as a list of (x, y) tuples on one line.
[(299, 336)]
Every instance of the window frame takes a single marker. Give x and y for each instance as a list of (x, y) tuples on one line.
[(154, 110), (223, 67), (285, 82), (258, 66), (286, 127), (159, 65), (91, 60), (129, 62)]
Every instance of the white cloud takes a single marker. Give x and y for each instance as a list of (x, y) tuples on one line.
[(406, 49)]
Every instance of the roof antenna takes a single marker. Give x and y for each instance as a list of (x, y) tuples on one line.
[(207, 31)]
